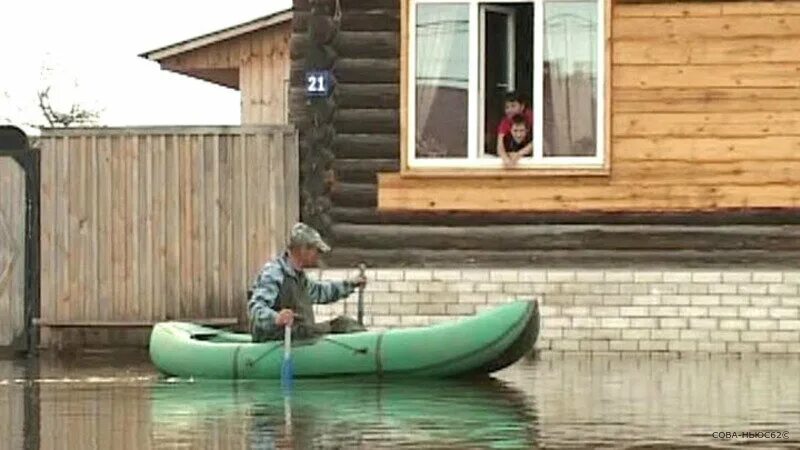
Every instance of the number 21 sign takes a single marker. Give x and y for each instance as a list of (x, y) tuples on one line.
[(318, 83)]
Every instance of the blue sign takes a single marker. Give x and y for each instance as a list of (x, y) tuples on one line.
[(318, 83)]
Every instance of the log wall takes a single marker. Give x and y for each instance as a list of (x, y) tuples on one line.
[(691, 163)]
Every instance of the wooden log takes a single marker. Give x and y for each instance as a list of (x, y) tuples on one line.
[(355, 146), (363, 170), (369, 96), (321, 29), (356, 96), (367, 216), (354, 44), (355, 194), (350, 70), (381, 121), (349, 6), (213, 321), (565, 237), (313, 57), (371, 20), (601, 259)]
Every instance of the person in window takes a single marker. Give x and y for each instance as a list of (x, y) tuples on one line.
[(282, 295), (514, 105), (517, 143)]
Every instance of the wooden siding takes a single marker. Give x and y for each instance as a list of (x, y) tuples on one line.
[(705, 104), (257, 64), (12, 251), (142, 225)]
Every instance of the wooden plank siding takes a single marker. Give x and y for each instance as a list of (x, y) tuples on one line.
[(143, 225), (705, 115), (12, 251), (255, 63)]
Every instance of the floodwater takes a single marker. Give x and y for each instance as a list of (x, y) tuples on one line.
[(118, 401)]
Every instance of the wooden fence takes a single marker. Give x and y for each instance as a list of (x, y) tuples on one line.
[(148, 224)]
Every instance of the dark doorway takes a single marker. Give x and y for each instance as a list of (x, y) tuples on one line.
[(507, 61)]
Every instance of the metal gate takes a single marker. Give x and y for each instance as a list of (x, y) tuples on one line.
[(19, 240)]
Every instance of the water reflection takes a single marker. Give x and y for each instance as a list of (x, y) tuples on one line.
[(350, 414), (575, 401)]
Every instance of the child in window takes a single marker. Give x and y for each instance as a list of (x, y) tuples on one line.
[(517, 143), (514, 109)]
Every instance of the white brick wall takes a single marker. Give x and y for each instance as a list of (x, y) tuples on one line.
[(599, 310)]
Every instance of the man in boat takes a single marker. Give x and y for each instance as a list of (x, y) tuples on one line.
[(282, 295)]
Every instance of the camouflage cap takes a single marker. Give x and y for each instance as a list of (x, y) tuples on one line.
[(303, 234)]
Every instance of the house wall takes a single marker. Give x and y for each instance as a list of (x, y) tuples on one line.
[(705, 115), (257, 64)]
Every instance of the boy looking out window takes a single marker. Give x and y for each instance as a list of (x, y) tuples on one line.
[(516, 114)]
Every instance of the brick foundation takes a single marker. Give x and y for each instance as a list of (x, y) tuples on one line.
[(597, 310)]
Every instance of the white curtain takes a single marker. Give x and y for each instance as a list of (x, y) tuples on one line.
[(570, 84), (442, 71)]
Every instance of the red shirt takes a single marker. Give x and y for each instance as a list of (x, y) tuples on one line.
[(505, 124)]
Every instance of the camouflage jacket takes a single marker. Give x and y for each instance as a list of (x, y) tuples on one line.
[(268, 295)]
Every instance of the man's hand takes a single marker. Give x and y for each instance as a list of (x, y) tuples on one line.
[(284, 318), (358, 281)]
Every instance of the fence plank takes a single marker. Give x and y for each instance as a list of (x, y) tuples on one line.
[(157, 192), (185, 228), (239, 214), (47, 223), (62, 263), (225, 254)]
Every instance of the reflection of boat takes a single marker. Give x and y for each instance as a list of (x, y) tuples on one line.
[(483, 343), (483, 413)]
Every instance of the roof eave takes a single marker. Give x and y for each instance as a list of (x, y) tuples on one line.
[(217, 36)]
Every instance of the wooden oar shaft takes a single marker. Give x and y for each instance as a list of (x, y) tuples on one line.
[(361, 270)]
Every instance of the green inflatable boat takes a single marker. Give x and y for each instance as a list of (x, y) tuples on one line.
[(480, 344)]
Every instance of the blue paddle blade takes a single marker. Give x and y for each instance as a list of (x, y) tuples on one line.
[(287, 372), (287, 367)]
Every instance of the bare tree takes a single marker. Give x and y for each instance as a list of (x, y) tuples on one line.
[(75, 115)]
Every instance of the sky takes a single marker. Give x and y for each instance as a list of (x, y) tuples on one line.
[(86, 50)]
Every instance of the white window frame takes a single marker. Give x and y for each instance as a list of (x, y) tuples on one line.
[(474, 115)]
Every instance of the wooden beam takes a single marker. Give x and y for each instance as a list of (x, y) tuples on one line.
[(570, 237), (379, 146), (217, 321), (358, 96), (355, 194), (352, 5), (367, 121), (367, 216), (353, 71), (355, 44), (410, 256), (363, 170), (367, 20), (696, 28)]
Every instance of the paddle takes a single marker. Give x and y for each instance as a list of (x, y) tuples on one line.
[(361, 269), (287, 367)]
